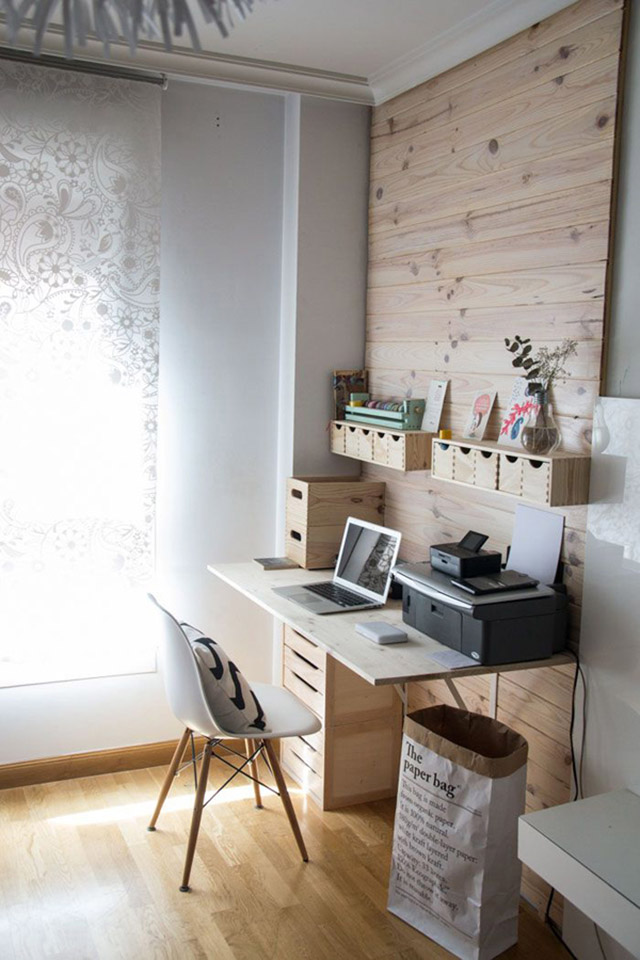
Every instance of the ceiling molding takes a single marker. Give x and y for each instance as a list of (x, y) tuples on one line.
[(497, 22), (184, 63)]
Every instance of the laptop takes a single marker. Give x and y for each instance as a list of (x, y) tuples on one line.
[(362, 576)]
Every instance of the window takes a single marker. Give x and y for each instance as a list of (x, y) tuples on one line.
[(79, 300)]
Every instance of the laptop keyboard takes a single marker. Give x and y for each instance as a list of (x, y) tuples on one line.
[(339, 595)]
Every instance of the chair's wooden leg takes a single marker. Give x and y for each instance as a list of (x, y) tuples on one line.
[(197, 815), (171, 772), (286, 799), (253, 767)]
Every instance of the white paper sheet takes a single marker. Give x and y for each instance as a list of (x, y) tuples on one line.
[(536, 543), (435, 402)]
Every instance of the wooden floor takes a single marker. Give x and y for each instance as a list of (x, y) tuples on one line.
[(81, 878)]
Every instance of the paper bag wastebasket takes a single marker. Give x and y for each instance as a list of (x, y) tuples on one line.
[(455, 874)]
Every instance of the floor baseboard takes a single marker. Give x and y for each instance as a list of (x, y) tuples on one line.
[(87, 764)]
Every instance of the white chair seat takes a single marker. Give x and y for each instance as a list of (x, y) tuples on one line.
[(286, 715)]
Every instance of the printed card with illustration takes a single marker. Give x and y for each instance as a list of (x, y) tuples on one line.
[(520, 406), (479, 415)]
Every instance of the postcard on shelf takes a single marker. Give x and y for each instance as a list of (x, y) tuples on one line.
[(435, 402), (520, 406), (346, 382), (479, 415)]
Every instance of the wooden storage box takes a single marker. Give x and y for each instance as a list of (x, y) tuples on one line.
[(354, 758), (442, 460), (317, 510), (510, 474), (338, 436)]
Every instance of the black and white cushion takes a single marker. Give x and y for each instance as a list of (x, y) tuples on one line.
[(233, 703)]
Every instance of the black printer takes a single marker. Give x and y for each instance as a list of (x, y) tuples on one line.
[(528, 624)]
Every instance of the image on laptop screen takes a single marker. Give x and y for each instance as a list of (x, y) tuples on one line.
[(366, 558)]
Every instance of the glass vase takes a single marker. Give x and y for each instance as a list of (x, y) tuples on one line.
[(540, 433)]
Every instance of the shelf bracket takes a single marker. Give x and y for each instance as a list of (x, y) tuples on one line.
[(455, 693)]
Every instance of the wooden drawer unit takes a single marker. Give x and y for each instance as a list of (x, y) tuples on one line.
[(354, 758), (398, 449), (555, 480), (317, 510)]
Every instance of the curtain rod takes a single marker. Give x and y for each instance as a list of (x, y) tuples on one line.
[(84, 66)]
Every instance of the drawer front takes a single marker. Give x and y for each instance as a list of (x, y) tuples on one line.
[(365, 445), (535, 480), (510, 474), (486, 474), (305, 648), (443, 460), (304, 752), (305, 670), (351, 443), (337, 437), (395, 450), (305, 775), (464, 463), (308, 694), (380, 447)]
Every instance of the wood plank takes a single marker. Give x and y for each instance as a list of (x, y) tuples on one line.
[(490, 357), (536, 180), (523, 287), (515, 218), (571, 397), (591, 124), (546, 31), (555, 321), (587, 44), (564, 246), (591, 83)]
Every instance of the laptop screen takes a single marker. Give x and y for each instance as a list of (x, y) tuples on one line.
[(367, 556)]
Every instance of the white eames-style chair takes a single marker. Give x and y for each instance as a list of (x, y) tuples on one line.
[(285, 717)]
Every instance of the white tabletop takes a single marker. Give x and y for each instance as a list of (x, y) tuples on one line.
[(395, 663)]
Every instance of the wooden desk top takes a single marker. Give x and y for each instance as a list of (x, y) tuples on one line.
[(378, 664)]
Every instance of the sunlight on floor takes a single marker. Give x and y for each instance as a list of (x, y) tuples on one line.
[(131, 811)]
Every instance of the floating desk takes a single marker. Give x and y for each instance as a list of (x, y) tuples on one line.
[(589, 851), (356, 687)]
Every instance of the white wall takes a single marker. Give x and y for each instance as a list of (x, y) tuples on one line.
[(610, 641)]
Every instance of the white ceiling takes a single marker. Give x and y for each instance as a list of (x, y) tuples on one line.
[(361, 50)]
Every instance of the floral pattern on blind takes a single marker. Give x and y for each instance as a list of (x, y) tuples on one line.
[(79, 306)]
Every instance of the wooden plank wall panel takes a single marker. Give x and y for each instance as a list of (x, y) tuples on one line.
[(490, 211)]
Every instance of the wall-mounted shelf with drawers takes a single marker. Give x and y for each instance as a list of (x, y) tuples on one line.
[(398, 449), (557, 480)]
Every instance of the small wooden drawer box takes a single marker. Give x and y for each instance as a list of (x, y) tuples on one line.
[(464, 464), (396, 451), (365, 445), (510, 474), (486, 471), (352, 441), (536, 475), (443, 454), (338, 436), (317, 510)]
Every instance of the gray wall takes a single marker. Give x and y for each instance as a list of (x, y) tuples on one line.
[(332, 270), (623, 367)]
